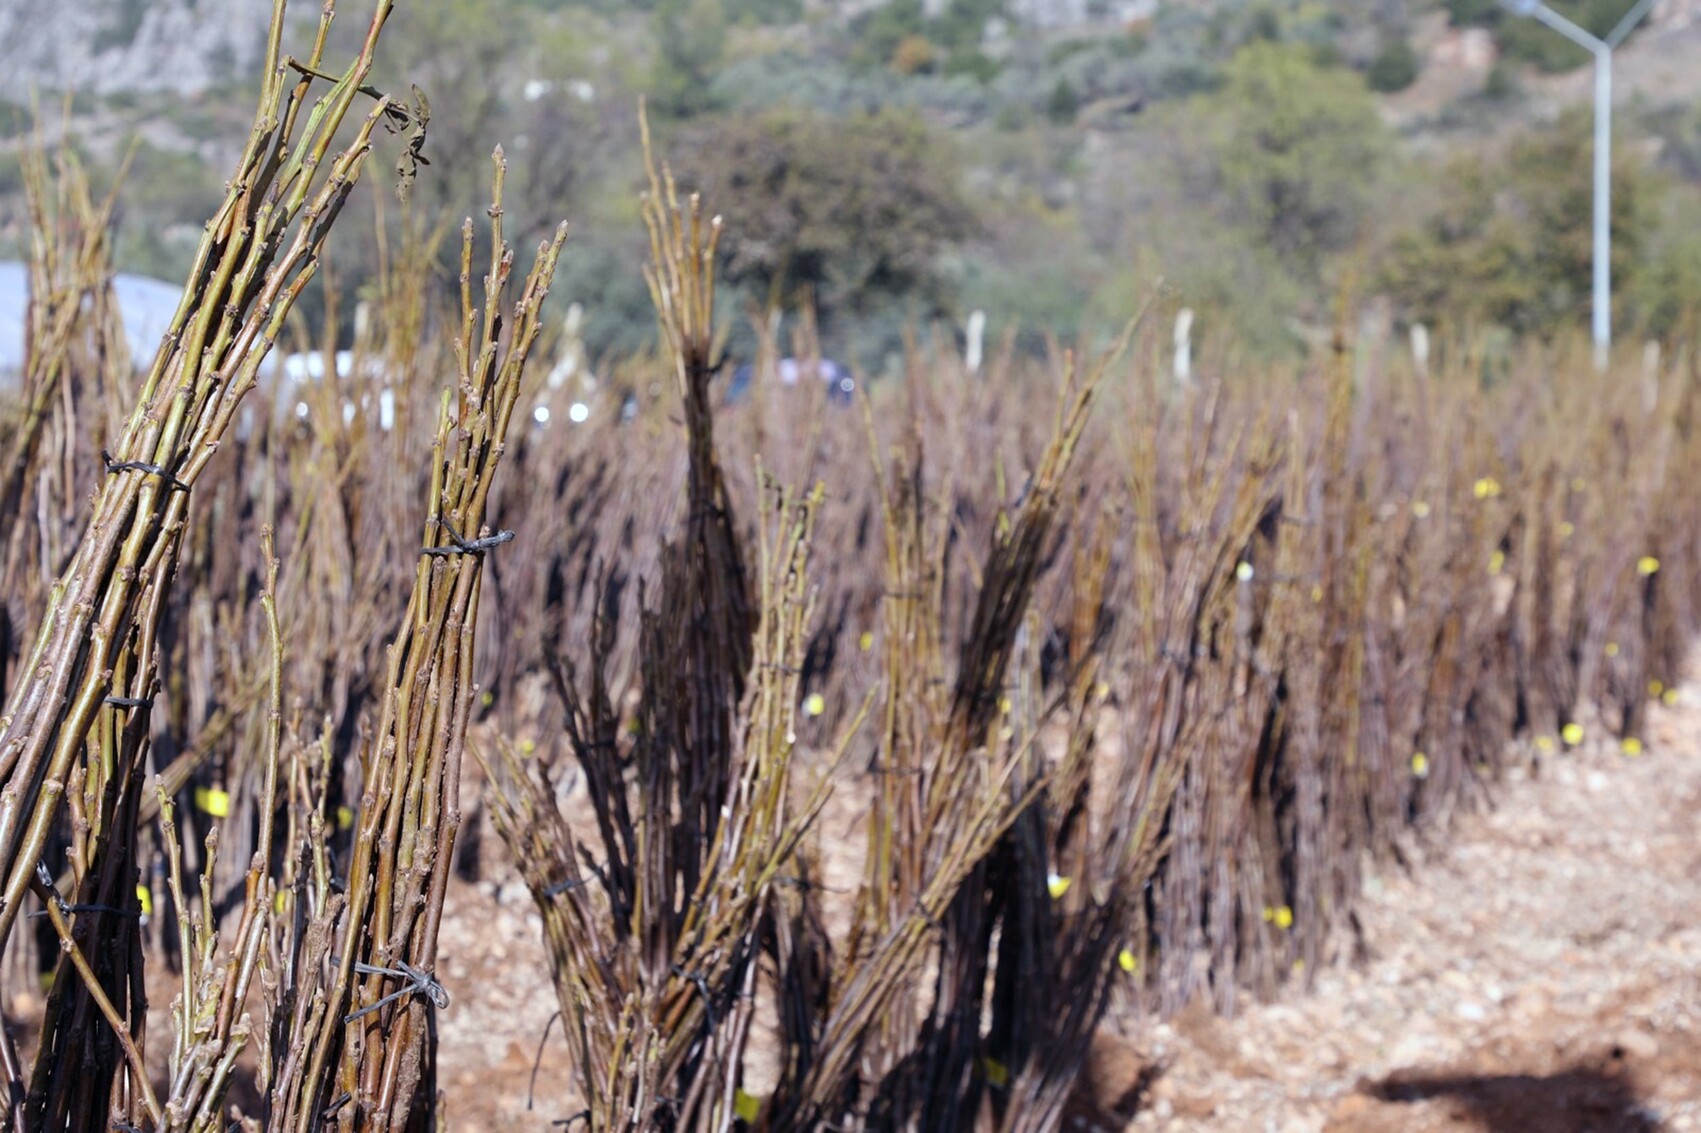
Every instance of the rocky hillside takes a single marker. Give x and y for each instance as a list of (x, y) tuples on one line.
[(105, 47)]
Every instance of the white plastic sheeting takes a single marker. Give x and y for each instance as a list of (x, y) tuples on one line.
[(146, 306)]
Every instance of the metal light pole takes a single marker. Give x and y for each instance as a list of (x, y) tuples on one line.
[(1601, 49)]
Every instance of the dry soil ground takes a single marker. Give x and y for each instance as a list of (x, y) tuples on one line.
[(1536, 969)]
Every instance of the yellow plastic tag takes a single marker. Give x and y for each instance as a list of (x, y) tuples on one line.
[(1130, 962), (211, 800), (278, 901), (867, 641), (747, 1106), (1420, 765), (1057, 885), (145, 899), (1572, 734), (814, 704), (1283, 918), (996, 1072), (345, 818), (1631, 746)]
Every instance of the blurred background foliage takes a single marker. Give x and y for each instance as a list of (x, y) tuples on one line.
[(901, 164)]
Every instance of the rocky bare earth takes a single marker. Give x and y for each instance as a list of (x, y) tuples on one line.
[(1537, 968)]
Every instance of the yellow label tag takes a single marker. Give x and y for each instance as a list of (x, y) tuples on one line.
[(1057, 885), (1631, 746), (1647, 565), (1283, 918), (996, 1072), (213, 801), (747, 1106), (278, 901), (1420, 765), (345, 818), (1130, 962), (1572, 734), (145, 899), (814, 704), (867, 641)]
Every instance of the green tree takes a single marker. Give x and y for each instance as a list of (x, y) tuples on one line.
[(1064, 103), (1510, 242), (1298, 148), (877, 33), (854, 210), (1395, 67), (690, 47), (1529, 41)]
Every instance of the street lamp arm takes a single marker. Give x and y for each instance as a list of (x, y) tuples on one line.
[(1601, 49), (1582, 37), (1628, 23)]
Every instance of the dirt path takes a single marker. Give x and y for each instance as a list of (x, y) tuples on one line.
[(1540, 973), (1543, 973)]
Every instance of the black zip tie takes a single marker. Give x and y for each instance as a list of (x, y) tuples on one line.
[(418, 979), (701, 983), (531, 1087), (113, 467), (567, 886), (568, 1122), (130, 701), (462, 546), (45, 877), (806, 884), (64, 908)]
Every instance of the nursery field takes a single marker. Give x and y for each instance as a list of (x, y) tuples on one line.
[(1534, 969), (1026, 743)]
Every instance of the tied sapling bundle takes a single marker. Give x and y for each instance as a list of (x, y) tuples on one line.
[(362, 1051), (93, 658)]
